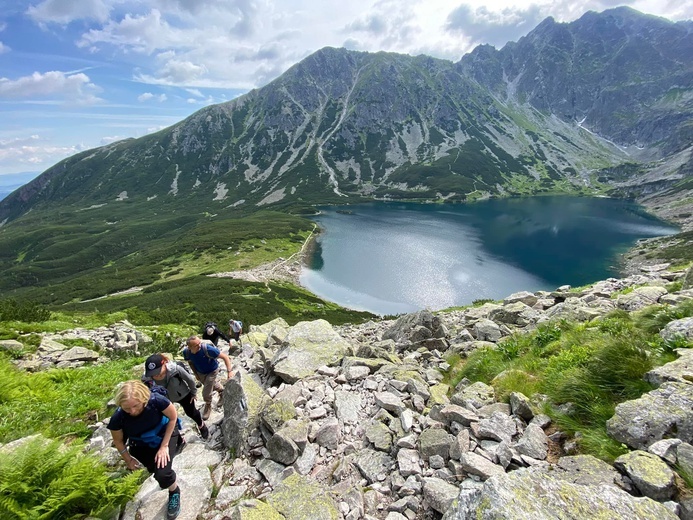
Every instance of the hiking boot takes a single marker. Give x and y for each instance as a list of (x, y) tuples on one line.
[(207, 411), (173, 508), (204, 432)]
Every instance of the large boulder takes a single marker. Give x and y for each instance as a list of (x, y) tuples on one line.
[(663, 413), (308, 346), (301, 498), (243, 400), (418, 327), (533, 494), (680, 370)]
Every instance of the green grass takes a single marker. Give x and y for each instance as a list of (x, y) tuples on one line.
[(589, 367), (57, 403)]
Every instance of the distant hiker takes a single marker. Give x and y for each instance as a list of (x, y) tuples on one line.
[(212, 333), (235, 329), (148, 422), (203, 357), (179, 384)]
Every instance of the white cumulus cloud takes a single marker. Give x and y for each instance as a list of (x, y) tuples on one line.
[(71, 88), (66, 11), (147, 96)]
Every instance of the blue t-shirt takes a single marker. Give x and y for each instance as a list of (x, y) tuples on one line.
[(136, 425), (201, 362)]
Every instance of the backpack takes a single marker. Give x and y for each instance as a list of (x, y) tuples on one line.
[(184, 366), (154, 437), (156, 389)]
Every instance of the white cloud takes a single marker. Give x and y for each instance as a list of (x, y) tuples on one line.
[(66, 11), (145, 33), (4, 48), (35, 151), (149, 96), (497, 27), (71, 88), (194, 92)]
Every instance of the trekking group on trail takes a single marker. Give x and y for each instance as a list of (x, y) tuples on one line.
[(146, 428)]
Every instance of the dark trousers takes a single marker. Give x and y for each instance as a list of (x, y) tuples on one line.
[(164, 476), (191, 410)]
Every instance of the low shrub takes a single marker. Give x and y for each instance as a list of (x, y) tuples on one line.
[(44, 479), (11, 310)]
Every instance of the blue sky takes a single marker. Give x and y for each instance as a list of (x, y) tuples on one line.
[(77, 74)]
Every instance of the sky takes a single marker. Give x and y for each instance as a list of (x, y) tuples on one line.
[(77, 74)]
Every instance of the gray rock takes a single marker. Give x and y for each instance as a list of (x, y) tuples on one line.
[(684, 458), (532, 494), (439, 494), (460, 445), (415, 327), (329, 434), (409, 462), (499, 427), (477, 465), (682, 328), (379, 435), (653, 416), (253, 508), (534, 443), (640, 297), (389, 401), (282, 449), (587, 470), (305, 462), (650, 474), (474, 396), (273, 472), (525, 297), (520, 405), (150, 503), (372, 464), (11, 345), (680, 370), (347, 406), (487, 330), (243, 400), (458, 414), (665, 449), (308, 346), (516, 313), (301, 498), (435, 441)]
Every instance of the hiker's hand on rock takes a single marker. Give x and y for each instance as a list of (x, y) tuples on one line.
[(133, 464)]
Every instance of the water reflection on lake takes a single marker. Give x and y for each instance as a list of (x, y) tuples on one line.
[(392, 258)]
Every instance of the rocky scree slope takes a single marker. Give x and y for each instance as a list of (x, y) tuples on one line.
[(355, 422)]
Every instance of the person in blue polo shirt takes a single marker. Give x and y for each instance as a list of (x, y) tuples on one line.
[(203, 358)]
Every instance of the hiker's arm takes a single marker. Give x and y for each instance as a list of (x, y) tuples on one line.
[(119, 443), (227, 362), (162, 456)]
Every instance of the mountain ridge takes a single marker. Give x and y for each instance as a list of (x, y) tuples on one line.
[(343, 127)]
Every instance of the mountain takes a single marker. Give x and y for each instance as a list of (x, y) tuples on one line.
[(592, 106)]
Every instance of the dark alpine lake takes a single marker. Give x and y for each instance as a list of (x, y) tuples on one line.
[(392, 258)]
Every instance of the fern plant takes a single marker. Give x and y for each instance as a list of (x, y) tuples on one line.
[(46, 480)]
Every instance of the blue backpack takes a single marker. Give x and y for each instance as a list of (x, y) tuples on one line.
[(154, 437)]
